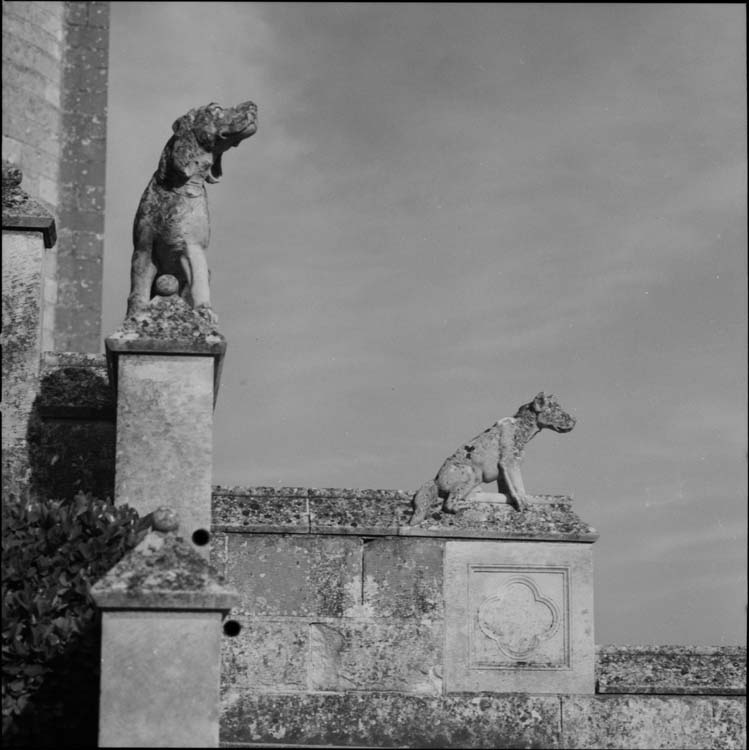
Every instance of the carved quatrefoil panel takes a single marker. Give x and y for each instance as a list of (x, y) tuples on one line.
[(518, 618)]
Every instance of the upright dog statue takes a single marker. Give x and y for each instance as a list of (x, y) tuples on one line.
[(171, 229), (495, 454)]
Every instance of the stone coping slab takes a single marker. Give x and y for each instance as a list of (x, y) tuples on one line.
[(163, 572), (21, 212), (385, 512), (168, 326), (675, 670)]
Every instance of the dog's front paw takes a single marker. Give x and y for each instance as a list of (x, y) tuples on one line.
[(519, 502), (135, 306)]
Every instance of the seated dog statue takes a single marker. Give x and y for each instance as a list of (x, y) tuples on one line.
[(495, 454), (171, 228)]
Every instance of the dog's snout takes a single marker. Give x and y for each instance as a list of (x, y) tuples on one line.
[(248, 107)]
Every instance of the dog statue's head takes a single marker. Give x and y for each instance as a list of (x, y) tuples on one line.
[(200, 138), (549, 414)]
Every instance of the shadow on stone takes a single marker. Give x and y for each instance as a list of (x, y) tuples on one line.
[(65, 710), (71, 435)]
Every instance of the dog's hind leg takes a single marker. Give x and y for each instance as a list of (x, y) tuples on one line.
[(458, 494)]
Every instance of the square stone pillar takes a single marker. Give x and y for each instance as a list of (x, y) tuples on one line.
[(519, 611), (162, 607), (165, 366), (28, 230)]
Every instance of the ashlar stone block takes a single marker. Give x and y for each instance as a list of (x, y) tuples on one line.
[(519, 617), (639, 722), (295, 575), (403, 577), (267, 655), (400, 655)]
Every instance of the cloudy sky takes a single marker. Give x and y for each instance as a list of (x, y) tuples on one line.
[(448, 208)]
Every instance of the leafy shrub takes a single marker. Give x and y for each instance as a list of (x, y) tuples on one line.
[(53, 551)]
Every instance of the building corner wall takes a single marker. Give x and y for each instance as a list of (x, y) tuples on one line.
[(55, 71), (83, 143)]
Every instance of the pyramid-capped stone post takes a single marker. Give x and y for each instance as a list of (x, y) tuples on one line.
[(162, 607), (165, 364)]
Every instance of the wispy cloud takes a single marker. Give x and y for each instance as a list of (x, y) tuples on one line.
[(448, 208)]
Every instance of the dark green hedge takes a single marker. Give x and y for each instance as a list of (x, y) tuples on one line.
[(53, 551)]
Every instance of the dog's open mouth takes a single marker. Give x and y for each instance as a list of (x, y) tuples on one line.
[(215, 172)]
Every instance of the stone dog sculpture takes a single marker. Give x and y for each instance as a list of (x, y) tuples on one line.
[(495, 454), (171, 228)]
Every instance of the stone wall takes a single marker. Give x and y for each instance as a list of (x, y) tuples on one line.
[(33, 44), (385, 719), (55, 63), (344, 641)]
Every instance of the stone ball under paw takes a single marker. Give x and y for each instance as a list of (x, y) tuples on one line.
[(165, 519), (167, 285)]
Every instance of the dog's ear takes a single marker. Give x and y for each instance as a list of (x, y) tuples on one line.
[(179, 156), (539, 402), (181, 124), (185, 154)]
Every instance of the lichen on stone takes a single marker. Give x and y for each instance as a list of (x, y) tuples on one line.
[(384, 511), (671, 669), (20, 210), (168, 318), (162, 567)]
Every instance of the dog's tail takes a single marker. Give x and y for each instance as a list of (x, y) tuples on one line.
[(425, 498)]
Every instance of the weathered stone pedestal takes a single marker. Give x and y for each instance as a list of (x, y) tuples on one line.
[(162, 604), (28, 229), (519, 614), (165, 366), (161, 630)]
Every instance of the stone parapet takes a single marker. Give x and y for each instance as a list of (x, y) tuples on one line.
[(357, 630), (299, 510), (338, 594), (671, 670)]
